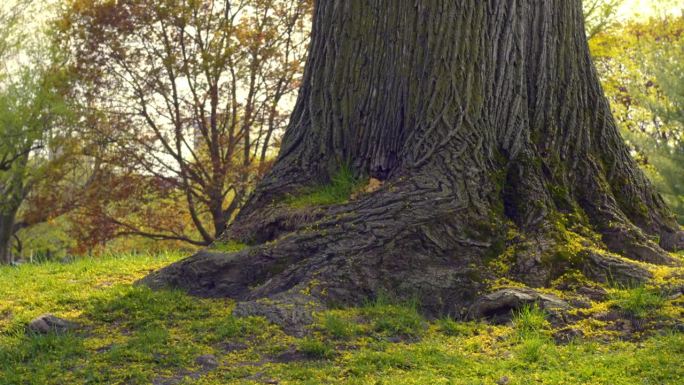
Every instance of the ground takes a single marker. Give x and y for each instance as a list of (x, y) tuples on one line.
[(128, 334)]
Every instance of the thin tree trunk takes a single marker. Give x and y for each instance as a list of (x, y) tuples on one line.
[(6, 232), (487, 124)]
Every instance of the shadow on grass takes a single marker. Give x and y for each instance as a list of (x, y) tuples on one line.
[(127, 334)]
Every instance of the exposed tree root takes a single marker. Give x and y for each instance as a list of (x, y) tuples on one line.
[(411, 238)]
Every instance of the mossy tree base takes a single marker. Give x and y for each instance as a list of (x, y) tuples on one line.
[(497, 152)]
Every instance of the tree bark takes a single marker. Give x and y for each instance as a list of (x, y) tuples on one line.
[(12, 193), (486, 123), (7, 228)]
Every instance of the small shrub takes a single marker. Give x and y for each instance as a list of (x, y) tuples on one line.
[(638, 302), (314, 348), (529, 321)]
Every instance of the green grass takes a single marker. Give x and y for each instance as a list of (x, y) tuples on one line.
[(339, 327), (530, 321), (131, 335), (394, 319), (339, 190), (315, 348), (453, 328), (228, 247), (638, 302)]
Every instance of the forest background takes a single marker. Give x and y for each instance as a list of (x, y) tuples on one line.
[(132, 126)]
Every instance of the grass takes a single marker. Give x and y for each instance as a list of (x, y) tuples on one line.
[(339, 190), (530, 321), (315, 348), (638, 302), (338, 327), (453, 328), (394, 319), (131, 335)]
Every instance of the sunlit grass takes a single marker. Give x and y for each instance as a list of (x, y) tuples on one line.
[(132, 335), (67, 289), (638, 302), (530, 321)]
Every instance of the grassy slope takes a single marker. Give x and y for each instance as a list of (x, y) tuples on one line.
[(131, 335)]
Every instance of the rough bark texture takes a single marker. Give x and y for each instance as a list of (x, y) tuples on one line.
[(485, 121)]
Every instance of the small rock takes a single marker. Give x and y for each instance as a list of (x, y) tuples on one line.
[(48, 323), (503, 381), (498, 305), (207, 361)]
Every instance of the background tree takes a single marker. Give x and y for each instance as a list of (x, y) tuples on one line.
[(188, 97), (9, 34), (641, 69), (32, 116), (600, 15), (493, 154)]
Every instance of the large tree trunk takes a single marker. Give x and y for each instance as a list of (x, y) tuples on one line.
[(497, 150)]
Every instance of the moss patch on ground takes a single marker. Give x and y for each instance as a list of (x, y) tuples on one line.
[(131, 335)]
